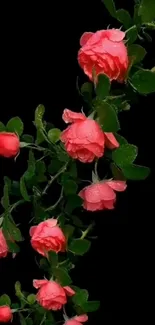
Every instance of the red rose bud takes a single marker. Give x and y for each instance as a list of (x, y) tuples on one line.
[(3, 245), (106, 52), (84, 139), (47, 236), (5, 314), (51, 295), (9, 144), (101, 195)]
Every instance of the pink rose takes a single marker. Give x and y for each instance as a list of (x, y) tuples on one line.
[(9, 144), (3, 245), (101, 195), (105, 52), (5, 314), (47, 236), (77, 320), (84, 139), (51, 295)]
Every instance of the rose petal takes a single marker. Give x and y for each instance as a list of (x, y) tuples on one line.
[(81, 318), (39, 283), (119, 186), (85, 37), (110, 141), (70, 117), (69, 291), (32, 230)]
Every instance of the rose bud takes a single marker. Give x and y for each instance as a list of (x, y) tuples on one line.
[(51, 295), (105, 52), (5, 314), (47, 236), (101, 195), (77, 320), (3, 245), (9, 144)]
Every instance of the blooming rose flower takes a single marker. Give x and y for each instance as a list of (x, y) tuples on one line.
[(51, 295), (47, 236), (3, 245), (77, 320), (105, 52), (101, 195), (9, 144), (5, 314), (84, 139)]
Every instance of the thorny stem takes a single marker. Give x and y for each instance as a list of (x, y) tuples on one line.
[(84, 233), (43, 319), (52, 207), (95, 167), (54, 178)]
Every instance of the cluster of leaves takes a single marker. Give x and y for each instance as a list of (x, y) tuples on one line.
[(48, 164)]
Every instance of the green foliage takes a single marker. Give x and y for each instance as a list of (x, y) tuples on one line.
[(23, 189), (147, 10), (90, 306), (31, 299), (2, 127), (80, 297), (70, 187), (68, 230), (5, 300), (53, 258), (144, 81), (110, 5), (62, 276), (5, 199), (79, 246), (124, 17), (54, 135), (73, 202), (39, 114), (86, 91), (27, 138), (107, 117), (135, 172), (131, 34), (10, 229), (136, 52), (124, 155), (103, 86), (15, 125)]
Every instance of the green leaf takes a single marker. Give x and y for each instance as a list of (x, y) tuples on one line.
[(61, 154), (22, 319), (68, 230), (135, 172), (23, 189), (70, 187), (73, 202), (53, 258), (31, 299), (13, 247), (107, 117), (54, 166), (5, 199), (144, 81), (2, 127), (40, 167), (5, 300), (136, 52), (136, 17), (90, 306), (121, 139), (30, 172), (62, 276), (18, 291), (79, 246), (147, 10), (39, 137), (80, 297), (54, 135), (132, 34), (15, 125), (110, 5), (10, 229), (27, 138), (29, 321), (124, 155), (117, 172), (76, 221), (39, 113), (72, 170), (124, 17), (103, 86), (86, 91)]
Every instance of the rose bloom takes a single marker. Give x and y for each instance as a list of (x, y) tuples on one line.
[(84, 139), (5, 314), (3, 245), (9, 144), (105, 52), (51, 295), (77, 320), (101, 195), (47, 236)]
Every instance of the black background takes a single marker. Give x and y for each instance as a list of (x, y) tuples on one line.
[(38, 64)]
